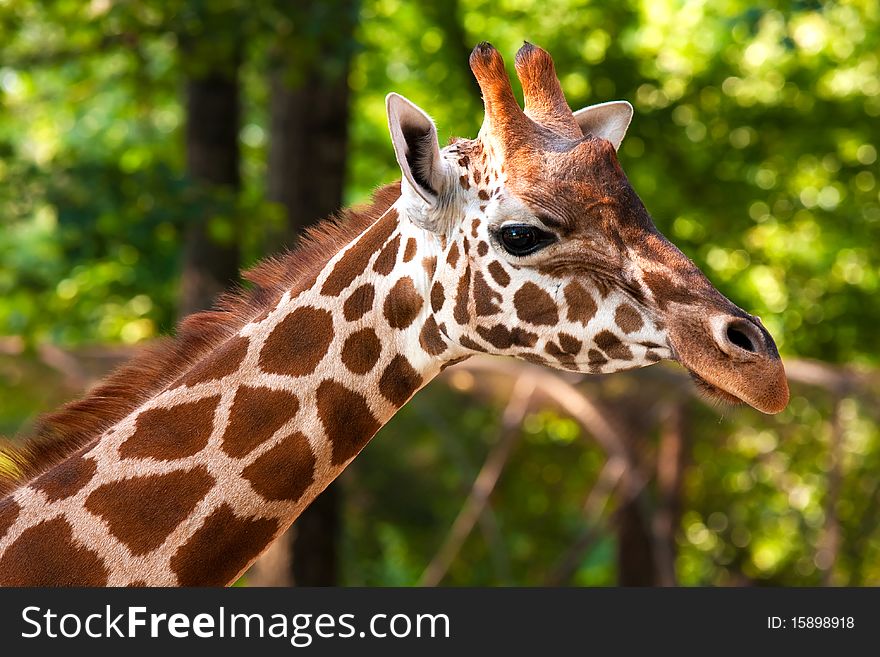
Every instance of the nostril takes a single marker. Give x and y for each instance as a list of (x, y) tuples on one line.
[(740, 339)]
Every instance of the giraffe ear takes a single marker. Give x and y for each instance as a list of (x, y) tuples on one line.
[(606, 120), (414, 137)]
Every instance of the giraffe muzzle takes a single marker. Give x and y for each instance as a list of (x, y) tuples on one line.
[(732, 357)]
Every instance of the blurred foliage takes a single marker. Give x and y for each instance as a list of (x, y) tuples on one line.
[(754, 145)]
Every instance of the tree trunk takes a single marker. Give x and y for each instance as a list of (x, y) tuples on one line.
[(210, 263), (308, 139)]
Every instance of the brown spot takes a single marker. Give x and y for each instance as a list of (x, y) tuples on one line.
[(221, 548), (47, 555), (482, 208), (651, 345), (581, 306), (399, 381), (410, 251), (482, 248), (284, 472), (627, 318), (596, 357), (430, 265), (298, 343), (564, 358), (256, 414), (437, 297), (359, 302), (533, 358), (483, 195), (222, 362), (465, 246), (535, 306), (466, 342), (475, 224), (9, 510), (402, 304), (485, 297), (143, 511), (570, 344), (652, 356), (612, 346), (496, 269), (460, 311), (452, 256), (172, 433), (665, 290), (465, 183), (430, 337), (354, 262), (387, 257), (136, 584), (67, 478), (347, 419), (502, 337), (463, 161), (361, 351)]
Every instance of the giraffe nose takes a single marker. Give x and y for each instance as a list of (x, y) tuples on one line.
[(742, 338)]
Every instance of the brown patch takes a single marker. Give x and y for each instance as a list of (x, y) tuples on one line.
[(475, 225), (346, 418), (612, 346), (430, 337), (437, 297), (410, 251), (402, 304), (221, 548), (502, 337), (143, 511), (565, 359), (67, 478), (652, 356), (665, 290), (47, 555), (137, 584), (387, 257), (482, 248), (460, 311), (452, 256), (533, 358), (223, 362), (466, 342), (651, 345), (399, 381), (465, 245), (356, 259), (535, 306), (627, 318), (485, 297), (157, 365), (255, 416), (359, 302), (172, 433), (361, 351), (284, 472), (465, 183), (496, 269), (298, 343), (483, 195), (9, 510), (596, 357), (570, 344), (430, 265), (581, 305)]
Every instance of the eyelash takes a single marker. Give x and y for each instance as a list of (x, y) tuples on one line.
[(523, 239)]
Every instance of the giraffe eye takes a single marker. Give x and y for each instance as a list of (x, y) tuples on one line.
[(523, 239)]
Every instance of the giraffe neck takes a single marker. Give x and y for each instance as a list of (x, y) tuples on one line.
[(193, 485)]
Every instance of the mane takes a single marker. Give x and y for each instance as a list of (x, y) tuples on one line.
[(60, 434)]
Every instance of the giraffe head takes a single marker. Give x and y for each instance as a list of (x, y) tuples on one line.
[(549, 255)]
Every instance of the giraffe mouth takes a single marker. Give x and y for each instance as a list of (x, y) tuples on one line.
[(713, 392)]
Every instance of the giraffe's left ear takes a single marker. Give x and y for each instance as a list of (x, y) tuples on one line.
[(606, 120), (414, 137)]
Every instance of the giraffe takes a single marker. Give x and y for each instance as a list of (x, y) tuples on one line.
[(527, 241)]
